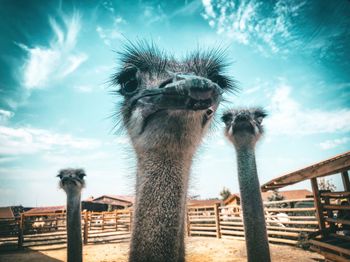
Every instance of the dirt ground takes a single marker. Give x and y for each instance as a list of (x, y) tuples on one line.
[(198, 250)]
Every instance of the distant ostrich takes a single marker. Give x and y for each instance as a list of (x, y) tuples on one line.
[(72, 182), (243, 129), (167, 108)]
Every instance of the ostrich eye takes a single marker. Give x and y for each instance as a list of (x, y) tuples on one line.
[(260, 115), (81, 175), (259, 119), (130, 86), (227, 118), (128, 80)]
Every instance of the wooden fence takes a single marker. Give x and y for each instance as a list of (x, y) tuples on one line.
[(287, 222), (49, 229)]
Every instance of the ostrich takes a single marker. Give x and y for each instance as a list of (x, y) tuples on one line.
[(72, 182), (167, 107), (243, 129)]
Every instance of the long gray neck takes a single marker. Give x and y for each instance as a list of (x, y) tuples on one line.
[(74, 241), (253, 212), (158, 228)]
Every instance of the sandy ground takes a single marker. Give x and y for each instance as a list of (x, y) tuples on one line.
[(198, 250)]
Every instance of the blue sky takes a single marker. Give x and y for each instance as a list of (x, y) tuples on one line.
[(291, 57)]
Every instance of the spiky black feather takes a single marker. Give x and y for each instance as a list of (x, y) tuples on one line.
[(147, 57)]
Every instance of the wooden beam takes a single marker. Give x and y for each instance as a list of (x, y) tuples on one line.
[(330, 246), (341, 194), (336, 207), (338, 221), (86, 228), (217, 220), (346, 181), (318, 206), (330, 166), (328, 255), (327, 206)]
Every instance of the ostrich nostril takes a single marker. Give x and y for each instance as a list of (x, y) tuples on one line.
[(201, 93), (164, 83), (209, 112), (242, 117)]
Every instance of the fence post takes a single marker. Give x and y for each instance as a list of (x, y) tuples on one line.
[(217, 220), (103, 221), (130, 227), (116, 220), (86, 227), (20, 231), (188, 223)]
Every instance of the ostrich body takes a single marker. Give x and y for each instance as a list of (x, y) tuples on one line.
[(167, 108), (72, 182), (243, 129)]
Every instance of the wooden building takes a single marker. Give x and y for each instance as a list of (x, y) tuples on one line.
[(107, 203), (332, 208)]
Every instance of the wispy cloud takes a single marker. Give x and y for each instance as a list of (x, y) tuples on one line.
[(59, 59), (289, 117), (248, 22), (75, 158), (110, 34), (5, 116), (27, 140), (329, 144), (84, 88)]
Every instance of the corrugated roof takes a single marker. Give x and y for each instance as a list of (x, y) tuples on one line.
[(327, 167), (231, 197), (209, 202), (49, 209), (6, 213), (288, 194), (125, 198)]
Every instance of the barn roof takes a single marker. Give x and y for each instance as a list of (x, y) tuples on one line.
[(231, 198), (209, 202), (117, 200), (6, 213), (327, 167), (289, 194), (48, 209)]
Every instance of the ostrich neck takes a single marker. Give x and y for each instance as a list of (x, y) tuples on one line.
[(158, 228), (74, 240), (253, 211)]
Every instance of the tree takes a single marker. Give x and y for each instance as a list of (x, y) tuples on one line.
[(276, 196), (225, 193), (325, 184)]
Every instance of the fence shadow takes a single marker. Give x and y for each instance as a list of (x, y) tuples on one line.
[(26, 255)]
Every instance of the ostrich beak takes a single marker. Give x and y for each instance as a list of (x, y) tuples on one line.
[(190, 93)]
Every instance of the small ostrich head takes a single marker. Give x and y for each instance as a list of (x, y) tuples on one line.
[(72, 180), (244, 126), (168, 102)]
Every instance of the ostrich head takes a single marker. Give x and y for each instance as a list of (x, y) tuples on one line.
[(167, 102), (244, 126), (71, 180)]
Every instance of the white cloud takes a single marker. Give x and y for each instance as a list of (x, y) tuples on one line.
[(76, 159), (18, 141), (108, 35), (329, 144), (248, 22), (59, 59), (84, 89), (288, 117), (122, 140), (5, 115)]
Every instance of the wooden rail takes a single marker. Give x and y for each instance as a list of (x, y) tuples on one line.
[(211, 221), (44, 229), (222, 222)]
